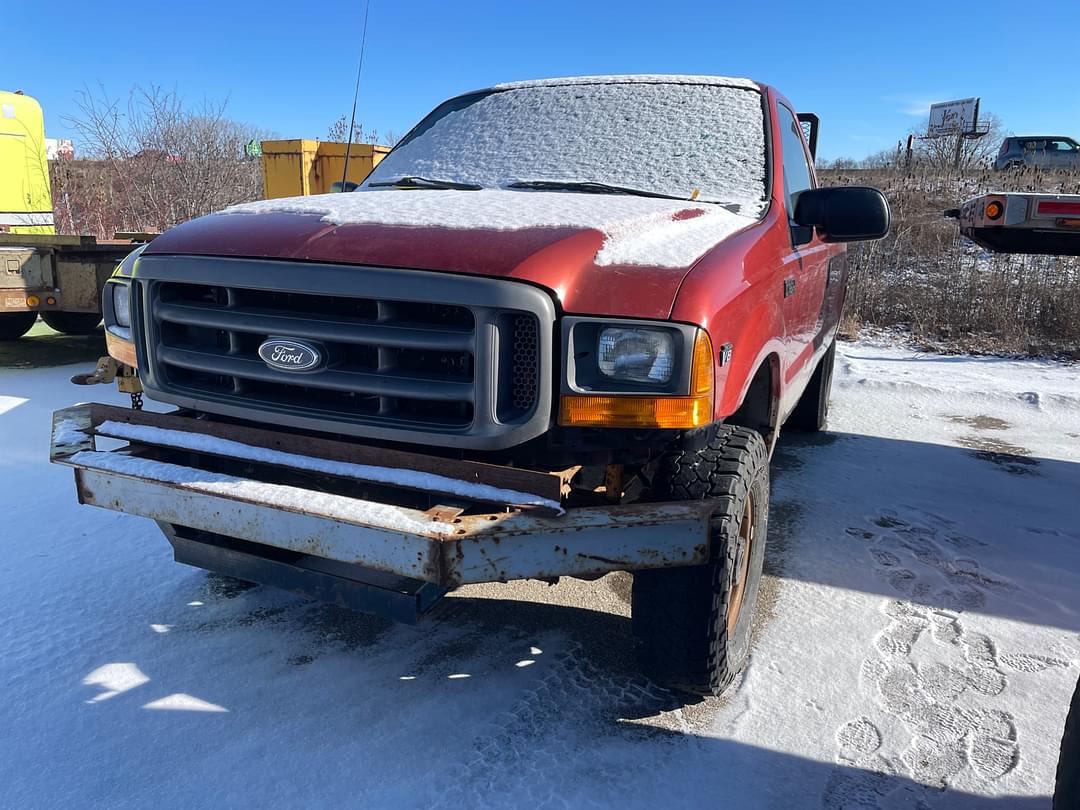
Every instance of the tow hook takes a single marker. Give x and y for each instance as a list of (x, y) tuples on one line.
[(108, 370), (104, 373)]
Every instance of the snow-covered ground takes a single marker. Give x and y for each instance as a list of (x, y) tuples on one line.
[(920, 628)]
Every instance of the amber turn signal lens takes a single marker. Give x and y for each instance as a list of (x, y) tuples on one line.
[(701, 376), (637, 411), (33, 301), (994, 210)]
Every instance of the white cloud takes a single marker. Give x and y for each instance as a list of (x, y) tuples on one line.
[(917, 104)]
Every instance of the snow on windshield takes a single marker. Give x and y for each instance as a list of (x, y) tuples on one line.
[(669, 138)]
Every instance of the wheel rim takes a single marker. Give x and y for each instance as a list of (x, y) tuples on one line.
[(742, 563)]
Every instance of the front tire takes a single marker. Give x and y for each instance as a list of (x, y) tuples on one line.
[(692, 624), (811, 414), (72, 323), (13, 325)]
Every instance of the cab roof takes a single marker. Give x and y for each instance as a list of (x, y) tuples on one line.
[(640, 78)]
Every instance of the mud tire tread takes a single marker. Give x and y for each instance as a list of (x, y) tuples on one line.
[(679, 615)]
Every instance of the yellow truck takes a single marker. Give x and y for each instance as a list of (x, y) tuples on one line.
[(59, 278)]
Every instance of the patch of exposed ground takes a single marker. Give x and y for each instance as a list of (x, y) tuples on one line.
[(979, 422)]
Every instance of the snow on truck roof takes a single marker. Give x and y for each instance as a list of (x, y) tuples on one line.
[(632, 78)]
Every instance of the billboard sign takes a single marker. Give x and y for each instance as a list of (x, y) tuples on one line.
[(953, 117)]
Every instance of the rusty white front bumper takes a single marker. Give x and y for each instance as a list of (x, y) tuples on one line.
[(171, 470)]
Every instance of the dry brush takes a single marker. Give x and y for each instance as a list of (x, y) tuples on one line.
[(948, 291)]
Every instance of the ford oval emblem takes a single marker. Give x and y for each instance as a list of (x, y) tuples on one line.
[(286, 354)]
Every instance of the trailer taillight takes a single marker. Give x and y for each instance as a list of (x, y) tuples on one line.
[(1058, 208), (994, 210)]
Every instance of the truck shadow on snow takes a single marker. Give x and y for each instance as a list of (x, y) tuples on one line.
[(493, 703), (517, 683), (967, 528), (43, 348)]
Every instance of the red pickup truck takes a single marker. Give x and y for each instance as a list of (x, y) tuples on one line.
[(556, 332)]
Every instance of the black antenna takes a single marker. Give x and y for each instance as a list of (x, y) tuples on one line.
[(356, 94)]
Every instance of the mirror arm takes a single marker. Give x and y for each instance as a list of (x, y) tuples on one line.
[(801, 234)]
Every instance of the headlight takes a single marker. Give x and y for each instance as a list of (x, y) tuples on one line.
[(121, 304), (636, 375), (636, 355)]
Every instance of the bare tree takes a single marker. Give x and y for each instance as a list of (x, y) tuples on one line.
[(339, 133), (882, 159), (161, 161), (941, 152), (837, 163)]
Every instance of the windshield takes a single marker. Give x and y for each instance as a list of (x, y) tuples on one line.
[(687, 141)]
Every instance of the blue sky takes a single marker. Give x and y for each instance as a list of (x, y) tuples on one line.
[(868, 69)]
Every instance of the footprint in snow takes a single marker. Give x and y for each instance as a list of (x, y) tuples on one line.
[(1030, 397), (943, 705)]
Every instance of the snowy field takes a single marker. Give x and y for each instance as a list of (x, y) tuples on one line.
[(916, 643)]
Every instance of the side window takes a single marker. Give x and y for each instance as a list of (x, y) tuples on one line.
[(796, 169)]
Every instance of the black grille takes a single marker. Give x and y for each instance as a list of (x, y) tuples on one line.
[(384, 361)]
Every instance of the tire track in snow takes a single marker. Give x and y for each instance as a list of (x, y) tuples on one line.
[(549, 731)]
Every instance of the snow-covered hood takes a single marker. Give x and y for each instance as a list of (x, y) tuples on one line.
[(601, 254)]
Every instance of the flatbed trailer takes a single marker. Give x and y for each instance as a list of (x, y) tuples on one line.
[(59, 278), (1021, 222)]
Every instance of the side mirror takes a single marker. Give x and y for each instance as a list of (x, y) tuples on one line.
[(844, 213)]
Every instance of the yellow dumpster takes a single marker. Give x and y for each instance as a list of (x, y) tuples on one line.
[(295, 168)]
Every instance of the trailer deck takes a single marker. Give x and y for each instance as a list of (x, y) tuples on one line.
[(1046, 224)]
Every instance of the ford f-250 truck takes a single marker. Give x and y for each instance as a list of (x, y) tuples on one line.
[(556, 332)]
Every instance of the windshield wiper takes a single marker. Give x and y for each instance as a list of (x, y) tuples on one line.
[(589, 187), (425, 182)]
